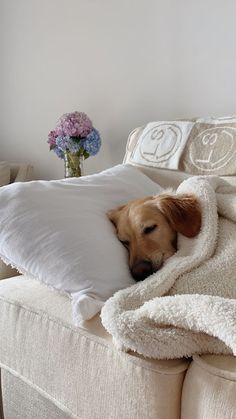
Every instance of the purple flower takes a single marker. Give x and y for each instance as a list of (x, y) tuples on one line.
[(52, 138), (75, 124), (92, 142)]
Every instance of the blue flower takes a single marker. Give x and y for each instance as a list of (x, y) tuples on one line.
[(59, 152), (72, 145), (61, 142), (92, 142), (66, 143)]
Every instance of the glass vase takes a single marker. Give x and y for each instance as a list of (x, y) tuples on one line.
[(73, 164)]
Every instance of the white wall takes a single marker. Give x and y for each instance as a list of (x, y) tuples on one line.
[(123, 62)]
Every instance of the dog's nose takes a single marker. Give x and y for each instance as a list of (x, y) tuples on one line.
[(142, 270)]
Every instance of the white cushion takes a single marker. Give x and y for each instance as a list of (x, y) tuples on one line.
[(58, 232), (4, 173)]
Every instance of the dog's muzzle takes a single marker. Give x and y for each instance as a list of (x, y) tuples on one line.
[(142, 270)]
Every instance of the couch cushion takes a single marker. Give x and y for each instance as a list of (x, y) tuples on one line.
[(209, 388), (75, 366), (4, 173), (197, 146)]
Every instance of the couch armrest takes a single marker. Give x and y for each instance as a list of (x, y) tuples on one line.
[(21, 172), (7, 271)]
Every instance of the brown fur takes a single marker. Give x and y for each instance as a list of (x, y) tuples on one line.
[(147, 227)]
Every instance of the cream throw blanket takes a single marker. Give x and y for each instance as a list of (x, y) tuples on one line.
[(189, 306)]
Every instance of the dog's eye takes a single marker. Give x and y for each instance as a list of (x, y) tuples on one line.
[(149, 229), (125, 243)]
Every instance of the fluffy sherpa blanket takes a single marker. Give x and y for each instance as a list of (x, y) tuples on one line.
[(189, 306)]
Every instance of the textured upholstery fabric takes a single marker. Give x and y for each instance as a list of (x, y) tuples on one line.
[(23, 402), (77, 370), (209, 388)]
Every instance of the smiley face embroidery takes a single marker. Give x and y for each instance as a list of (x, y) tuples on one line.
[(213, 148), (161, 143)]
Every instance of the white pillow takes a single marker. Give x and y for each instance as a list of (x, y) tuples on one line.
[(4, 173), (58, 232)]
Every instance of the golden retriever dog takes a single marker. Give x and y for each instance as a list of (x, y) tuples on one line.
[(148, 229)]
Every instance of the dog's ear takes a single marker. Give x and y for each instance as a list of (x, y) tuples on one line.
[(182, 211), (114, 214)]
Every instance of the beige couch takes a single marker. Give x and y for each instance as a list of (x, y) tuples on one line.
[(51, 369)]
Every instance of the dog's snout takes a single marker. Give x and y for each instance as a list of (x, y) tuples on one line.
[(142, 270)]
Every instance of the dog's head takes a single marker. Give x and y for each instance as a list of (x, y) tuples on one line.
[(148, 228)]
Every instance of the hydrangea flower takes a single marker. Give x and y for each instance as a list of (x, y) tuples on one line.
[(61, 142), (73, 146), (59, 153), (52, 138), (92, 142), (75, 124), (74, 134), (67, 143)]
